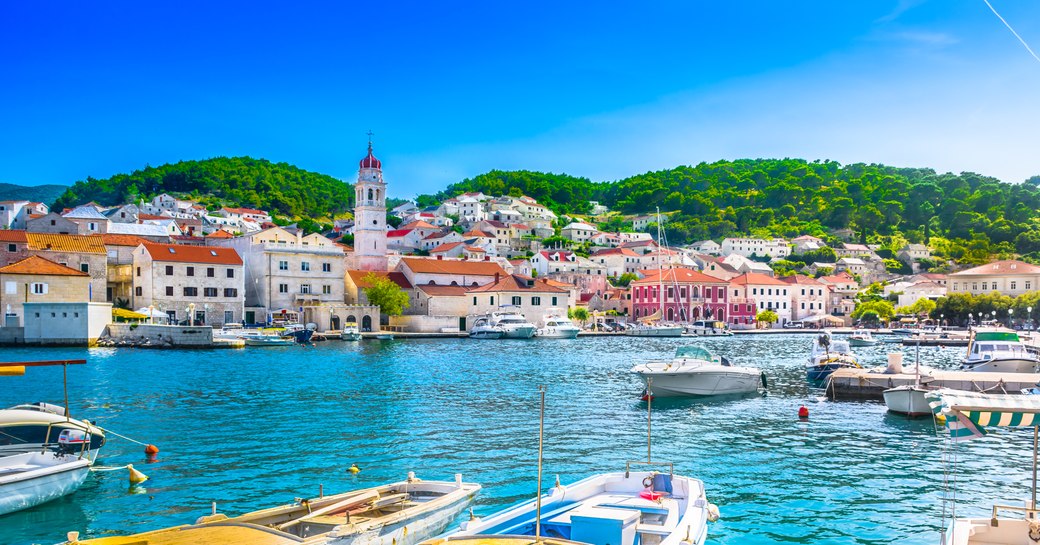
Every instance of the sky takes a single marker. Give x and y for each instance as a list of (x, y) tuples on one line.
[(451, 89)]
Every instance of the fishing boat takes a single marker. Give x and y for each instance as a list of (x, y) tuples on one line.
[(862, 337), (350, 332), (512, 322), (557, 326), (967, 416), (28, 427), (999, 350), (708, 328), (909, 399), (695, 371), (828, 354), (300, 333), (482, 329), (383, 336), (401, 513), (268, 340)]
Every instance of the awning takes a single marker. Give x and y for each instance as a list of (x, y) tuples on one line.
[(968, 414), (128, 314), (826, 318), (155, 313)]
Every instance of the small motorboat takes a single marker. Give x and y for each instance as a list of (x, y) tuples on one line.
[(383, 336), (999, 351), (557, 326), (482, 329), (268, 340), (32, 478), (828, 355), (697, 372), (862, 337), (657, 329), (908, 399), (28, 427), (708, 328), (350, 332), (300, 333), (401, 513)]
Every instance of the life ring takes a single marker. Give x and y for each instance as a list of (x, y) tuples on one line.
[(648, 481)]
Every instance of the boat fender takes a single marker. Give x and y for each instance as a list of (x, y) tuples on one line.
[(136, 477), (1034, 530), (713, 512), (803, 412), (765, 383)]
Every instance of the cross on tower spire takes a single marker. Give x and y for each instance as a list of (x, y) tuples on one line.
[(370, 133)]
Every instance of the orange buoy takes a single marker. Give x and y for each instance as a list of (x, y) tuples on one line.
[(151, 450), (803, 412)]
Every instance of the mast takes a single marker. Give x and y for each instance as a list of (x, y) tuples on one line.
[(538, 493), (660, 270)]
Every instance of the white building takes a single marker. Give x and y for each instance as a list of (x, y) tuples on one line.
[(767, 292), (370, 216), (774, 248), (579, 232), (178, 280)]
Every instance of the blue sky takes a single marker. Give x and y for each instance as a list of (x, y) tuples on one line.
[(453, 89)]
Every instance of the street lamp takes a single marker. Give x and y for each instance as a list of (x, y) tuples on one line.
[(1029, 317), (942, 320), (971, 319), (191, 314), (1010, 312)]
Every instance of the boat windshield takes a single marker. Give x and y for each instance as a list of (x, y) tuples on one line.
[(841, 347), (694, 352)]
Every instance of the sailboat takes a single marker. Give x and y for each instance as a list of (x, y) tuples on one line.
[(909, 399), (651, 326)]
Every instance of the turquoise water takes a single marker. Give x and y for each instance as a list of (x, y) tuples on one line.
[(257, 427)]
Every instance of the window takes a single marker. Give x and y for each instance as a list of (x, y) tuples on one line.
[(492, 300), (169, 291), (516, 300), (326, 289), (12, 247), (191, 291), (1013, 285), (305, 266), (305, 288), (231, 273), (474, 301), (39, 288), (283, 265), (137, 291), (209, 292), (230, 292), (554, 301), (139, 271), (1028, 285), (85, 267), (535, 301), (326, 267), (169, 270), (229, 316), (190, 271), (283, 288), (210, 272)]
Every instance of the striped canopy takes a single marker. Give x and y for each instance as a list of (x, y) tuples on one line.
[(968, 414)]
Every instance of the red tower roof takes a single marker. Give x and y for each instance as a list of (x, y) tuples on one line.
[(370, 160)]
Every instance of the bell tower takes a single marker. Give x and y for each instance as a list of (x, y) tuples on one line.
[(370, 215)]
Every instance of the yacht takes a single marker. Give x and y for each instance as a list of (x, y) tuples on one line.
[(828, 354), (999, 350), (31, 426), (512, 322), (350, 332), (697, 372), (482, 329), (557, 326), (708, 328), (862, 337), (32, 478)]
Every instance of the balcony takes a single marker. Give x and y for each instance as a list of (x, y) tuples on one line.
[(120, 274)]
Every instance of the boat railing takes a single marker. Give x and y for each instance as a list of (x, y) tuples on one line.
[(653, 463), (1029, 512)]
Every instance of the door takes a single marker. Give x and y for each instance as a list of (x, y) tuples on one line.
[(250, 317), (462, 323), (366, 323)]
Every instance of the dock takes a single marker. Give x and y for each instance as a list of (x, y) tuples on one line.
[(859, 384)]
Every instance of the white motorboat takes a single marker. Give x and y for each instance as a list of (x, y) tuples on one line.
[(28, 427), (350, 332), (512, 322), (828, 354), (967, 415), (557, 326), (268, 340), (1000, 351), (654, 330), (482, 329), (862, 337), (32, 478), (908, 399), (401, 513), (697, 372), (630, 508), (708, 328)]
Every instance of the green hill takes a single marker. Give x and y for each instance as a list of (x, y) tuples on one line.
[(279, 188), (34, 193)]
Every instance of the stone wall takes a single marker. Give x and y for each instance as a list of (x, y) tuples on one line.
[(425, 324), (161, 335)]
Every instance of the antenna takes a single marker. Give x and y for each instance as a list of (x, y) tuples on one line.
[(538, 493)]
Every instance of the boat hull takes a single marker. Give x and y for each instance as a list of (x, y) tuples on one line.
[(269, 342), (50, 478), (518, 332), (822, 371), (485, 334), (1002, 365), (350, 336), (908, 400), (703, 381), (24, 431), (863, 342), (557, 333), (656, 332), (410, 530)]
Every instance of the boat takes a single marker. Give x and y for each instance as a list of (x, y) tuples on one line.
[(1000, 351), (695, 371), (59, 465), (401, 513), (482, 329), (654, 330), (300, 333), (557, 326), (383, 336), (30, 426), (708, 328), (909, 399), (512, 322), (350, 332), (828, 354), (862, 337), (967, 415), (268, 340)]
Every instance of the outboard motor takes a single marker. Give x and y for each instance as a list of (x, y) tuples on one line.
[(71, 441)]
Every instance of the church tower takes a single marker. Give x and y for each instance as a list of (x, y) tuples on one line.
[(370, 215)]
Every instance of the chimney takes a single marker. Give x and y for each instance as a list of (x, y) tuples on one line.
[(496, 277), (487, 258), (440, 257)]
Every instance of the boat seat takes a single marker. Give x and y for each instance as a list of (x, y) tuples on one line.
[(655, 530), (546, 516)]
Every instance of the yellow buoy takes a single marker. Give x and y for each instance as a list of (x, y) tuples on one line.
[(136, 477), (354, 469), (940, 419)]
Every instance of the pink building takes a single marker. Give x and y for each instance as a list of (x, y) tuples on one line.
[(689, 295)]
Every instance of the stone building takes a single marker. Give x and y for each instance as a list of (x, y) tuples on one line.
[(370, 216), (203, 283), (38, 280)]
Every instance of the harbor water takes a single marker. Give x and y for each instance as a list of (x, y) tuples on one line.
[(258, 427)]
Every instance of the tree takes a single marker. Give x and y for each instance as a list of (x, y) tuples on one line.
[(767, 317), (578, 313), (624, 280), (880, 308), (385, 294)]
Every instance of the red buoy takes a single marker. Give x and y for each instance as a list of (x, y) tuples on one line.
[(803, 412), (151, 450)]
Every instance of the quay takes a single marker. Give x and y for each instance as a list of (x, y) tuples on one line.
[(860, 384)]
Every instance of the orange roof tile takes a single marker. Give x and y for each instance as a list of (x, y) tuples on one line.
[(183, 253), (757, 279), (680, 274), (444, 266), (115, 239), (1009, 266), (220, 233), (443, 291), (801, 279), (11, 235), (84, 244), (37, 265), (518, 282), (446, 247), (398, 278)]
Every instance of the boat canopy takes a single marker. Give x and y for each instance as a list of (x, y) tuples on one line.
[(968, 414), (694, 352), (1007, 336)]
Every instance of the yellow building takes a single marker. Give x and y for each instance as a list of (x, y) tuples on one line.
[(38, 280)]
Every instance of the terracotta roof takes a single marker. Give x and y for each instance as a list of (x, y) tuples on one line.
[(244, 211), (446, 247), (1009, 266), (475, 250), (419, 224), (398, 278), (142, 217), (445, 266), (475, 233), (840, 278), (84, 244), (396, 233), (220, 233), (801, 279), (183, 253), (496, 224), (39, 266), (639, 243), (756, 279), (443, 291), (113, 239), (12, 235), (615, 251), (680, 274), (518, 282)]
